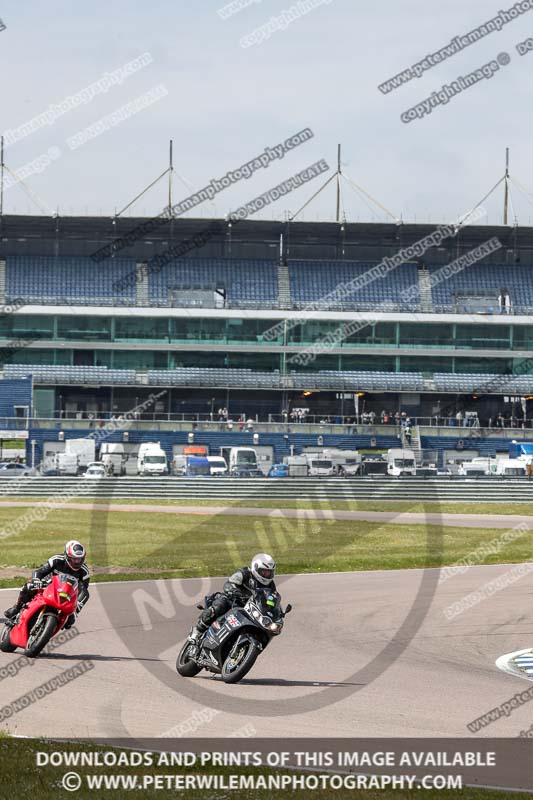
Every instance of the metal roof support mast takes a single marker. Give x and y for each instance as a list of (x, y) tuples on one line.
[(168, 171), (506, 187), (338, 176), (337, 216)]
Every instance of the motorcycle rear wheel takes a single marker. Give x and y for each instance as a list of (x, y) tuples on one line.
[(186, 666), (5, 641), (37, 641), (233, 670)]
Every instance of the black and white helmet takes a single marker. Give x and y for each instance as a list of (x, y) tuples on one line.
[(263, 568)]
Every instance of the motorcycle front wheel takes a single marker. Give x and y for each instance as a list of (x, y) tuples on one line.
[(185, 666), (5, 641), (239, 662), (40, 635)]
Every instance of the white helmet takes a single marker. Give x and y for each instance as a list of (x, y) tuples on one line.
[(263, 568)]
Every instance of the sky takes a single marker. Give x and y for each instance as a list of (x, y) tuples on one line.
[(223, 103)]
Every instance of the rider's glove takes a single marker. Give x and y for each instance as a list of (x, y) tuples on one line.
[(37, 583)]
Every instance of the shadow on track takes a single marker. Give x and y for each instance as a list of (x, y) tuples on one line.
[(282, 682), (90, 657)]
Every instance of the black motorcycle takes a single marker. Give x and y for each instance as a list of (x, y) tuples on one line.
[(232, 644)]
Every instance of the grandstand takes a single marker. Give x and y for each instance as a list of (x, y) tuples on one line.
[(250, 321)]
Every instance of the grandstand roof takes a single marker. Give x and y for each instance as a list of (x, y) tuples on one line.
[(101, 230)]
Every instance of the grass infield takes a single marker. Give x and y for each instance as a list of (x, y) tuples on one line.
[(21, 778), (125, 546)]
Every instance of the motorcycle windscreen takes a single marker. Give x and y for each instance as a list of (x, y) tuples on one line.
[(269, 603)]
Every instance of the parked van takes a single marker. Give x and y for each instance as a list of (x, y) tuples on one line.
[(217, 465), (243, 462), (112, 457), (318, 466), (151, 459), (510, 467), (400, 462), (197, 467)]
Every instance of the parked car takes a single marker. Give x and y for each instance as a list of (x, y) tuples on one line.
[(13, 470), (278, 471), (95, 472), (425, 471)]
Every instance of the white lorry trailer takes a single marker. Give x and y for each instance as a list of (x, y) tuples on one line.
[(298, 467), (76, 457), (346, 462)]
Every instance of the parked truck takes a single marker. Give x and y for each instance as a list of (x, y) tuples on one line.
[(346, 462), (66, 463), (510, 467), (113, 458), (478, 467), (400, 462), (151, 459), (241, 461), (298, 466), (197, 467), (76, 457)]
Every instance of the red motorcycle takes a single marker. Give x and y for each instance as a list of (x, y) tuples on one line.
[(43, 617)]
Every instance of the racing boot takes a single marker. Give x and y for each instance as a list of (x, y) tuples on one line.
[(11, 613), (197, 631)]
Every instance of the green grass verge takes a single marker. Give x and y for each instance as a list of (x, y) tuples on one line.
[(450, 507), (21, 779), (156, 545)]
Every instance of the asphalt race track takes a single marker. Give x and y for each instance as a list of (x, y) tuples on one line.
[(327, 675)]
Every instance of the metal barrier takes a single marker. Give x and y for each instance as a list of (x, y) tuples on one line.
[(227, 490)]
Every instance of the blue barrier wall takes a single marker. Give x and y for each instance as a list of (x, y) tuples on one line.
[(15, 392)]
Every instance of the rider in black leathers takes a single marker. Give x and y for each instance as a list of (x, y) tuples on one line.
[(237, 590), (70, 562)]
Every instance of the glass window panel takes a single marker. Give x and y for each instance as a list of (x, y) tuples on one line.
[(141, 329), (86, 328)]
